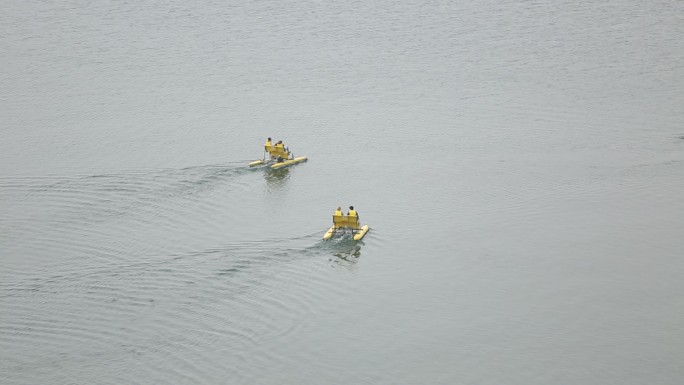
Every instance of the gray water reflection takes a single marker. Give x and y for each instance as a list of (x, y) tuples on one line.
[(344, 251), (276, 179)]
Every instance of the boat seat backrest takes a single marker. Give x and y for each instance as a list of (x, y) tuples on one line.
[(345, 221), (339, 220), (276, 151), (353, 222)]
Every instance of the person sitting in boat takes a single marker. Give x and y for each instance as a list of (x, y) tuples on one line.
[(281, 144), (338, 211), (268, 143), (352, 212)]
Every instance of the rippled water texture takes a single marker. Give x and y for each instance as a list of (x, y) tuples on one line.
[(520, 165)]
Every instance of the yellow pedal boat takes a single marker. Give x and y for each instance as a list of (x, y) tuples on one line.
[(344, 224), (277, 157)]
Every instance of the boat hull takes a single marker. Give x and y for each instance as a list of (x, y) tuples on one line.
[(358, 234), (289, 162), (361, 233), (329, 234)]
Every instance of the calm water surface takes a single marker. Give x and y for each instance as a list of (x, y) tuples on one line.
[(520, 164)]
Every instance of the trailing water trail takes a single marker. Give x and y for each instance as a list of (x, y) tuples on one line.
[(97, 216), (146, 306)]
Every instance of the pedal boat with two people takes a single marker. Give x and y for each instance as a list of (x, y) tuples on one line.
[(277, 156), (343, 224)]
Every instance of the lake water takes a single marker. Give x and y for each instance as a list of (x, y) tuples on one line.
[(520, 164)]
